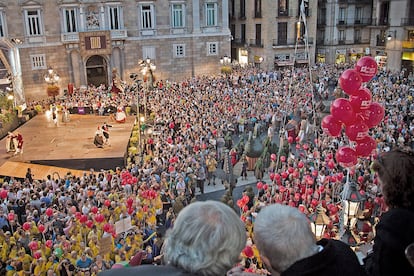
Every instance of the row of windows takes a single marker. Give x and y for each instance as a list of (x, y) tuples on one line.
[(72, 18), (179, 51)]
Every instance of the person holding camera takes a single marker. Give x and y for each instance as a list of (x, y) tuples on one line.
[(66, 268)]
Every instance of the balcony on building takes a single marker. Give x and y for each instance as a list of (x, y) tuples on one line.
[(353, 2), (361, 41), (362, 21), (407, 21), (290, 43), (286, 13), (120, 34), (256, 43), (380, 22), (239, 41)]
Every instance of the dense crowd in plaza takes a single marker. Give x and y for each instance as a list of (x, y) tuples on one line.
[(62, 226)]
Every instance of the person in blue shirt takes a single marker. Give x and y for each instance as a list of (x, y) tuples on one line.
[(84, 263)]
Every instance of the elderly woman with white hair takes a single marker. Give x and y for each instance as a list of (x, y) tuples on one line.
[(207, 239)]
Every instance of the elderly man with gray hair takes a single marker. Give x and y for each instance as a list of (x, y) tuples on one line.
[(207, 239), (288, 247)]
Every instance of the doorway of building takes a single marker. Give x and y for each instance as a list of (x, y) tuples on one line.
[(97, 71)]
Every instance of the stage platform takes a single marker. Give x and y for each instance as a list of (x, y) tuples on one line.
[(67, 145)]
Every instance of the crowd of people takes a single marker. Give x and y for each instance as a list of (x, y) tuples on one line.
[(109, 218)]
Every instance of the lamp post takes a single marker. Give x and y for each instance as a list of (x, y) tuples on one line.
[(148, 69), (52, 79), (319, 221), (225, 65), (351, 204)]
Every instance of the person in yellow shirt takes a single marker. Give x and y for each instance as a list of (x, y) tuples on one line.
[(38, 267), (25, 259)]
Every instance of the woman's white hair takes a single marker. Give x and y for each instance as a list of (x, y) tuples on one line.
[(283, 235), (206, 239)]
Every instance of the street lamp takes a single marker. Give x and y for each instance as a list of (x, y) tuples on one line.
[(148, 68), (225, 65), (225, 60), (52, 79), (351, 203), (391, 35), (319, 221)]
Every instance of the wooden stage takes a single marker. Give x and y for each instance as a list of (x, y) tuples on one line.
[(65, 147)]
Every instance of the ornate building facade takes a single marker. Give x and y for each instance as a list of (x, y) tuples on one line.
[(83, 40)]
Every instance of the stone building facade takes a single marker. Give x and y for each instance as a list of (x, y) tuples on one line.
[(84, 40)]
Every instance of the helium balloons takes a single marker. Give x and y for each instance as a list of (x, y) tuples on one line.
[(37, 255), (273, 157), (331, 126), (357, 131), (99, 218), (49, 212), (107, 203), (41, 228), (300, 164), (367, 68), (33, 245), (362, 100), (259, 185), (89, 224), (27, 226), (10, 216), (94, 209), (83, 219), (341, 110), (283, 158), (3, 193), (365, 146), (346, 156), (58, 252), (350, 81), (49, 243), (374, 114), (290, 139)]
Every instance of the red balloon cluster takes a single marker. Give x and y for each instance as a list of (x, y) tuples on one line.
[(357, 113)]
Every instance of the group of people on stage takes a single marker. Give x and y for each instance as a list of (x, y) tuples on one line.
[(14, 143), (102, 136)]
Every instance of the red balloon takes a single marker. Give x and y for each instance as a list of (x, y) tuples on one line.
[(300, 165), (331, 126), (341, 110), (273, 157), (374, 114), (265, 187), (284, 175), (3, 194), (49, 243), (360, 179), (290, 139), (49, 212), (172, 125), (277, 176), (367, 68), (94, 209), (83, 219), (107, 203), (340, 176), (365, 146), (350, 81), (357, 131), (346, 156), (283, 158), (89, 224), (37, 255), (99, 218), (331, 164), (33, 245), (41, 228), (107, 227), (10, 216), (362, 100), (259, 185)]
